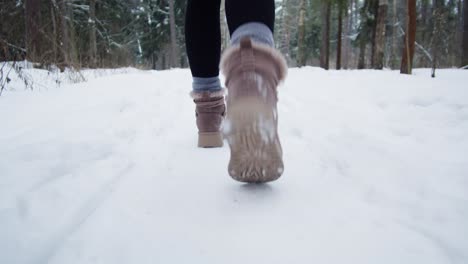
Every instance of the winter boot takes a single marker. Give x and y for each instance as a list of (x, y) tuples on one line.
[(253, 72), (210, 111)]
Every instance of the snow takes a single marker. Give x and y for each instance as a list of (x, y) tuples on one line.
[(107, 171)]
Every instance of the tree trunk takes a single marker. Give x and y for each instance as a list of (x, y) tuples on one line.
[(33, 22), (64, 39), (301, 55), (339, 36), (374, 8), (286, 33), (92, 34), (325, 48), (459, 34), (364, 31), (362, 55), (54, 33), (410, 37), (395, 38), (380, 35), (57, 31), (347, 32), (71, 50), (174, 48), (438, 18), (465, 34), (425, 28), (154, 61)]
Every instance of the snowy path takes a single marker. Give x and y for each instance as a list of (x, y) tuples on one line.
[(376, 171)]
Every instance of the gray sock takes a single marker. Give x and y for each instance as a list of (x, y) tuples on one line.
[(211, 84), (258, 32)]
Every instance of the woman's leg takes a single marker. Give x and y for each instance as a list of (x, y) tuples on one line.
[(253, 70), (203, 42), (251, 18)]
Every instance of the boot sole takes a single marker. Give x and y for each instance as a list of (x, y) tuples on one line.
[(256, 154), (210, 139)]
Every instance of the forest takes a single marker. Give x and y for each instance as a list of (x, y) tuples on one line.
[(149, 34)]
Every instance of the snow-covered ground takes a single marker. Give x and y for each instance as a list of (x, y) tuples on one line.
[(107, 171)]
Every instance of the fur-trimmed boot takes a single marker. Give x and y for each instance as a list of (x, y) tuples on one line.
[(210, 111), (253, 72)]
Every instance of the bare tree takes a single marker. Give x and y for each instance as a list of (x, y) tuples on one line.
[(339, 34), (174, 52), (72, 50), (63, 37), (325, 47), (56, 39), (53, 17), (459, 31), (285, 30), (436, 43), (425, 28), (363, 35), (380, 35), (33, 22), (410, 37), (92, 34), (395, 36), (347, 32), (301, 56), (465, 34), (374, 11)]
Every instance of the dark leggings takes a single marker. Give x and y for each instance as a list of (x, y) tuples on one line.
[(203, 33)]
